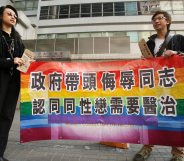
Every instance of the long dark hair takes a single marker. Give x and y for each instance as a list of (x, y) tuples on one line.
[(15, 34)]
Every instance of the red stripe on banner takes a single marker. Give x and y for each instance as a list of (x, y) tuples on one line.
[(152, 137), (34, 134), (168, 138)]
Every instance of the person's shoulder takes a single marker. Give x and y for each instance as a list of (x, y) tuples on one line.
[(152, 37), (178, 37)]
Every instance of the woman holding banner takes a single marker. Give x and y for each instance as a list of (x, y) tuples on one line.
[(11, 50), (163, 44)]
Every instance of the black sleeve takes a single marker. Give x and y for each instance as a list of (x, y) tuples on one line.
[(177, 43), (151, 46), (182, 43), (6, 63), (21, 47)]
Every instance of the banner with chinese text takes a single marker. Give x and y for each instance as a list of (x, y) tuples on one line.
[(134, 101)]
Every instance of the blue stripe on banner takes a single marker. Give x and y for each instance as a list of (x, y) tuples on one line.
[(34, 122), (163, 128), (170, 118), (171, 124), (31, 117)]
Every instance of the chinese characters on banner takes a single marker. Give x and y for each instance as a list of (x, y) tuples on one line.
[(108, 80), (122, 101)]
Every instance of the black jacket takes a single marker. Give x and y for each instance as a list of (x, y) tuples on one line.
[(6, 62), (176, 43)]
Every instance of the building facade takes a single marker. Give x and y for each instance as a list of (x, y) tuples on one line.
[(93, 28), (24, 27), (6, 2)]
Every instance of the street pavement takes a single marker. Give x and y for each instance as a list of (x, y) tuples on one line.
[(70, 150)]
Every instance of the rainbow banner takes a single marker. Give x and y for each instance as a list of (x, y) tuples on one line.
[(133, 101)]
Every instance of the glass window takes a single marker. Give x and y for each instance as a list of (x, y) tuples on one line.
[(64, 11), (46, 36), (51, 36), (85, 10), (42, 36), (61, 36), (96, 34), (29, 5), (84, 35), (143, 8), (74, 35), (35, 5), (119, 45), (107, 9), (133, 36), (45, 45), (30, 44), (20, 5), (146, 7), (131, 8), (96, 9), (101, 45), (144, 35), (119, 34), (166, 5), (119, 9), (26, 5), (74, 10), (53, 12), (107, 34), (178, 7), (44, 12)]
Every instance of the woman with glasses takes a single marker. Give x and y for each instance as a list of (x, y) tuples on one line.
[(11, 50), (163, 44)]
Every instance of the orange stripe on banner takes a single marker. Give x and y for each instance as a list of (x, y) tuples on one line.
[(110, 65)]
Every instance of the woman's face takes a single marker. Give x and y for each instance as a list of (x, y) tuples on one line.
[(9, 17)]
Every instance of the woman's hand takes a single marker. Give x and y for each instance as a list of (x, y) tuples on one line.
[(18, 61)]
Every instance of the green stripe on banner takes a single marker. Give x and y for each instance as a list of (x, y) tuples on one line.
[(180, 107), (26, 109)]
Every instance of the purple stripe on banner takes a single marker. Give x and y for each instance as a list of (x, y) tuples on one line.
[(127, 120)]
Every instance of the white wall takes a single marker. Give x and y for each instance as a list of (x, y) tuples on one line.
[(131, 23), (5, 2), (25, 28)]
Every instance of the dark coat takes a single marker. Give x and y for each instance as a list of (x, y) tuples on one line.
[(176, 43), (5, 65)]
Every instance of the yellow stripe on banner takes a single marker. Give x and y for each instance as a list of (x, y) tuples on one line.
[(177, 92), (28, 95)]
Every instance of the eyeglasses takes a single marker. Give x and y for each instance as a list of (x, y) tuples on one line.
[(158, 18), (12, 15)]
